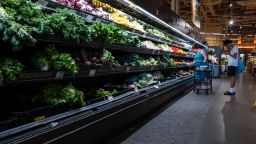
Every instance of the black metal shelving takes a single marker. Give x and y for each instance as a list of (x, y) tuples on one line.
[(53, 76), (85, 121), (112, 47)]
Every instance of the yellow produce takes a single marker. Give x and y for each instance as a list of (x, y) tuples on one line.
[(119, 17)]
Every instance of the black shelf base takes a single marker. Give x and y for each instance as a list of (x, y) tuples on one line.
[(97, 125)]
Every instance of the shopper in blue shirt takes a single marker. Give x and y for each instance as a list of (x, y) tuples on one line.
[(200, 59)]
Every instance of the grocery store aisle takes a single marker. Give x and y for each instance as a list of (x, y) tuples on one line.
[(230, 119), (179, 123), (205, 119)]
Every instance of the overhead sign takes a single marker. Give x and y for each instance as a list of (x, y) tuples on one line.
[(196, 12)]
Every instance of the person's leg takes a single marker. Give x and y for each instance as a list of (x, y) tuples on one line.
[(233, 84), (231, 74)]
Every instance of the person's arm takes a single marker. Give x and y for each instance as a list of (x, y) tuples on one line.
[(235, 55), (205, 55)]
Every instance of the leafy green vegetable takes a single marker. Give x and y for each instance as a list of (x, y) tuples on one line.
[(111, 33), (169, 62), (141, 80), (11, 69), (63, 62), (110, 59), (55, 94), (22, 20), (68, 24), (101, 92), (41, 62), (52, 59)]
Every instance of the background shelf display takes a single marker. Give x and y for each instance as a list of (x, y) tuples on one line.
[(116, 86)]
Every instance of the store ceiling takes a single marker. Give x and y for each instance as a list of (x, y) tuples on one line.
[(216, 14)]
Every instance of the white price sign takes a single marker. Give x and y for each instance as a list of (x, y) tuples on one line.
[(92, 73), (136, 89), (156, 86), (59, 75), (110, 98)]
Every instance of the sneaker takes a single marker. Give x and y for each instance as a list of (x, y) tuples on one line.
[(229, 93)]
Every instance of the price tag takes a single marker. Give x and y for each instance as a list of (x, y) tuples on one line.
[(136, 89), (132, 6), (92, 73), (156, 86), (59, 75), (53, 124), (38, 118), (127, 69), (89, 18), (159, 83), (144, 35), (110, 98)]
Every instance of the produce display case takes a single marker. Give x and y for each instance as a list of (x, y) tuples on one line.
[(72, 82)]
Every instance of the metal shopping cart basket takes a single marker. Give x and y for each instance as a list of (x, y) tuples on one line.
[(203, 78)]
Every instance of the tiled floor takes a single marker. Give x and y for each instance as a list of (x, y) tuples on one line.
[(205, 119)]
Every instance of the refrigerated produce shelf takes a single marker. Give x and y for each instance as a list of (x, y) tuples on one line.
[(108, 116), (130, 8), (90, 18)]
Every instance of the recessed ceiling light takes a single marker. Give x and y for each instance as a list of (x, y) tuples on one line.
[(240, 27), (231, 5)]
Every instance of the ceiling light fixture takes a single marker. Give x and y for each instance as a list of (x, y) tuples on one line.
[(230, 5), (231, 21), (240, 27)]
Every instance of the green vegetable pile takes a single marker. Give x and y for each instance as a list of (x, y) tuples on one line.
[(142, 80), (111, 33), (21, 21), (101, 92), (55, 60), (63, 62), (169, 62), (56, 94), (71, 26), (149, 61), (10, 70), (133, 59), (109, 58)]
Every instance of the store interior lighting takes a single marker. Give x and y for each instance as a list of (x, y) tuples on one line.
[(231, 21)]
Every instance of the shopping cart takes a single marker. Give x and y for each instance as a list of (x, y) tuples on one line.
[(203, 78)]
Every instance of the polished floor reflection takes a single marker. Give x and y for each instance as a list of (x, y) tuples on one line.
[(205, 119), (231, 119)]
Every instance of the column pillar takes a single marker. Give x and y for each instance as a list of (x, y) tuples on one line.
[(177, 3), (174, 5)]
